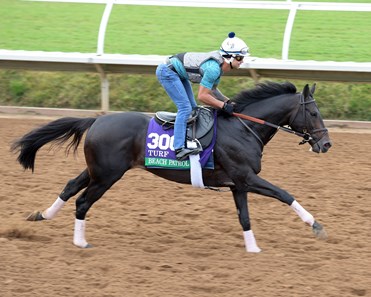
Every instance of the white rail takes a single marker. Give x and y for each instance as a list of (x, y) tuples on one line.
[(146, 64)]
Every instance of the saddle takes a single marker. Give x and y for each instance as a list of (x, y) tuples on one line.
[(199, 125)]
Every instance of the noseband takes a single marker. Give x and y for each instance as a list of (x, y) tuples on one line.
[(307, 135)]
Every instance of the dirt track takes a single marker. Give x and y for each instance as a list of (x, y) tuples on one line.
[(157, 238)]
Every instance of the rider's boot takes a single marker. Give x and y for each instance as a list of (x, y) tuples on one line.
[(184, 152)]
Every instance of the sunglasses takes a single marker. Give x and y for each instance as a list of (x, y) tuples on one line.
[(239, 58)]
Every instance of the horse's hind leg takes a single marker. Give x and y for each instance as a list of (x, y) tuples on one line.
[(72, 188)]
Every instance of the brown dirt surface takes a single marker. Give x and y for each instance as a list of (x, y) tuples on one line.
[(153, 237)]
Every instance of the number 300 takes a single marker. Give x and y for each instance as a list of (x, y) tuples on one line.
[(163, 141)]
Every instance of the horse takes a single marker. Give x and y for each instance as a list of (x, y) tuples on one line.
[(115, 143)]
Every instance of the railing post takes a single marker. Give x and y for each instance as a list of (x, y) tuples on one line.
[(288, 30), (100, 51), (104, 86), (103, 27)]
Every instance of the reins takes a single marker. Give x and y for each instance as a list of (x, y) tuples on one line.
[(306, 136)]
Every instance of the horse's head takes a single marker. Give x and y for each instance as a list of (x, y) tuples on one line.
[(308, 121)]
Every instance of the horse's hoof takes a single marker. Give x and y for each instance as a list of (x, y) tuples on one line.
[(83, 245), (254, 250), (319, 231), (35, 216)]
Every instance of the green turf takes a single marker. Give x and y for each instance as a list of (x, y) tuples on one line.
[(70, 27)]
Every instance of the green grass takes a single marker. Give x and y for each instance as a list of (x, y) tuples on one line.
[(67, 27), (49, 26), (70, 27)]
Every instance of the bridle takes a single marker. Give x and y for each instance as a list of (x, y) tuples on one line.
[(305, 134)]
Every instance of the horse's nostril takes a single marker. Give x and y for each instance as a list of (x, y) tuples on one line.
[(327, 145)]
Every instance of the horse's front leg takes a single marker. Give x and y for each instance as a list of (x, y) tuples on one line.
[(240, 198), (260, 186)]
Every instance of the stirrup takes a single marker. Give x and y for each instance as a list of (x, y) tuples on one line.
[(183, 153)]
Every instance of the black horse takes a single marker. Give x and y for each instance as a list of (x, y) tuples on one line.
[(115, 143)]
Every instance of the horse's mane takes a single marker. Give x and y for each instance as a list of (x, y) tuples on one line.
[(262, 91)]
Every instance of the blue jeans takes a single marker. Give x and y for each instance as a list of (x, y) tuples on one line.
[(180, 91)]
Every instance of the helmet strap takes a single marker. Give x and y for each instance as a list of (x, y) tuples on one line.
[(229, 60)]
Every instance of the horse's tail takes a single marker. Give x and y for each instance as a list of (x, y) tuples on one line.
[(58, 132)]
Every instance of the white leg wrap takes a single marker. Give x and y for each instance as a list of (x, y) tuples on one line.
[(302, 213), (79, 234), (51, 212), (250, 242)]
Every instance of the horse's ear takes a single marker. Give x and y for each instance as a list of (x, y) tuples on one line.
[(306, 91), (313, 89)]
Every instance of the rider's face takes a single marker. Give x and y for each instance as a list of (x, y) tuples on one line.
[(237, 61), (235, 64)]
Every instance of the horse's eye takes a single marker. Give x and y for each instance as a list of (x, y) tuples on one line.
[(313, 114)]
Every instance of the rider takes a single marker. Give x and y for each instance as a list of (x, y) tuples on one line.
[(205, 69)]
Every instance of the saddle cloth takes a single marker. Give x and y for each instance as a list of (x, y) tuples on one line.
[(159, 150)]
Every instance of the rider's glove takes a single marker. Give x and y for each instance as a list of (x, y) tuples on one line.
[(228, 108)]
